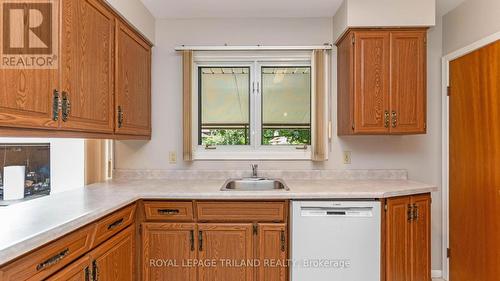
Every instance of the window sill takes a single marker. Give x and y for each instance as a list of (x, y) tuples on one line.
[(202, 155)]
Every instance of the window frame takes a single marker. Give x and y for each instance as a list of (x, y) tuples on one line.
[(253, 60)]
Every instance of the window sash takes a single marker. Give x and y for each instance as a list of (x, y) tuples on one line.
[(256, 150)]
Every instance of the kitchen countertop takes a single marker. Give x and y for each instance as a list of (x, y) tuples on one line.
[(29, 225)]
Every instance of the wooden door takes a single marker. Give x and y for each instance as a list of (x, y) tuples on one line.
[(232, 243), (397, 243), (115, 259), (474, 165), (87, 66), (167, 250), (77, 271), (408, 82), (272, 252), (26, 98), (133, 77), (420, 238), (371, 82)]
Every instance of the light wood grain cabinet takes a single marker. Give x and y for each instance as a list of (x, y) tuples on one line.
[(407, 238), (133, 87), (99, 89), (224, 234), (382, 82)]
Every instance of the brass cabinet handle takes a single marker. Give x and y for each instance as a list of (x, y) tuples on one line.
[(53, 260), (191, 239), (87, 274), (415, 212), (394, 119), (168, 212), (386, 119), (410, 212), (115, 224), (95, 271), (55, 105), (120, 117), (283, 241), (65, 106), (200, 240)]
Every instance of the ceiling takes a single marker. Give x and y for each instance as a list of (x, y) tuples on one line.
[(242, 9), (444, 6)]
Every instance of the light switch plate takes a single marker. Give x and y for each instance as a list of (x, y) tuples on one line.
[(172, 157), (347, 157)]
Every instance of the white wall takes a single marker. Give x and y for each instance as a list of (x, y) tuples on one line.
[(136, 13), (420, 155), (67, 158), (469, 22), (380, 13)]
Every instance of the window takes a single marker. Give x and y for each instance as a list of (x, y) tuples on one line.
[(255, 105)]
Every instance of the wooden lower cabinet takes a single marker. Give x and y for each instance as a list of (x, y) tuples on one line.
[(77, 271), (407, 238), (229, 245), (114, 260), (167, 250), (272, 252)]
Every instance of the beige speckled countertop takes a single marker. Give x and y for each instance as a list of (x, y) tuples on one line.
[(29, 225)]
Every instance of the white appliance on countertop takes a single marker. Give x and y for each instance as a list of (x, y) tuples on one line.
[(336, 240)]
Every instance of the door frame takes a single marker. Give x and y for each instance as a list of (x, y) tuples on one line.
[(445, 69)]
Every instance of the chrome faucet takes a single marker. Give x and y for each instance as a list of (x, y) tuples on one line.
[(254, 170)]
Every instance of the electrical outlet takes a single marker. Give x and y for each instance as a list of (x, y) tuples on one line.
[(347, 157), (172, 157)]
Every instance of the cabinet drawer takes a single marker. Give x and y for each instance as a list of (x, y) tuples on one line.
[(168, 211), (50, 258), (113, 224), (241, 211)]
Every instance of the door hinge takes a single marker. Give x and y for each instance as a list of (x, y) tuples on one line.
[(448, 252), (448, 91), (255, 229)]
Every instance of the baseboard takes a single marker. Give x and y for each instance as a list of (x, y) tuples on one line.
[(437, 274)]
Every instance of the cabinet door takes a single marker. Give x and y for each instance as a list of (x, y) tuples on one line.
[(87, 63), (272, 252), (133, 90), (371, 82), (77, 271), (408, 82), (26, 98), (397, 239), (115, 259), (228, 245), (167, 248), (420, 238)]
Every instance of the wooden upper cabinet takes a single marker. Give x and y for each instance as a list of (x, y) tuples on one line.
[(26, 98), (102, 81), (407, 238), (173, 242), (371, 81), (382, 81), (228, 242), (408, 86), (87, 60), (133, 84)]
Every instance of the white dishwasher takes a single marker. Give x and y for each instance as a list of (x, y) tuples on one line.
[(336, 241)]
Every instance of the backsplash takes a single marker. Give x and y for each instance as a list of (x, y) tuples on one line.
[(124, 174)]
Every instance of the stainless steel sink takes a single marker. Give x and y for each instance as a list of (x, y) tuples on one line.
[(254, 184)]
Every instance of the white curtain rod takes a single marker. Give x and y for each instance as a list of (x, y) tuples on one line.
[(252, 48)]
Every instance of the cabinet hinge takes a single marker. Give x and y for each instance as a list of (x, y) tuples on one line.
[(448, 253), (448, 91), (255, 229), (353, 40), (385, 207)]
